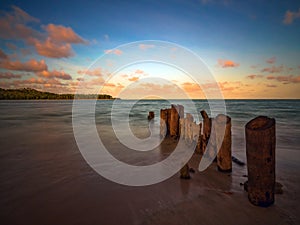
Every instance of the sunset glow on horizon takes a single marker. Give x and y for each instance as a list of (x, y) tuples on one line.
[(251, 48)]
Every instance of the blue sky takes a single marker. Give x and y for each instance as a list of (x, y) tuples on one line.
[(249, 44)]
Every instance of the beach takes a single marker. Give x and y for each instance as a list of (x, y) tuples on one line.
[(45, 179)]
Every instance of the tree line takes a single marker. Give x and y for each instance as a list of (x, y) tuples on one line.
[(32, 94)]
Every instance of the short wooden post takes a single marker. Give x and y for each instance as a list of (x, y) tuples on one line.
[(222, 125), (260, 150), (151, 115), (185, 172)]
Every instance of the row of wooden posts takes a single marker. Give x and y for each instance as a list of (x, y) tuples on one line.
[(260, 146), (175, 125)]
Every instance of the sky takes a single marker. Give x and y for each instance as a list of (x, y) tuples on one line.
[(250, 49)]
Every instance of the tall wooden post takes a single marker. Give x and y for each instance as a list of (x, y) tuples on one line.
[(174, 121), (222, 125), (163, 122), (260, 150), (206, 129)]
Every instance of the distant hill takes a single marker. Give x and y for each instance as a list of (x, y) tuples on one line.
[(32, 94)]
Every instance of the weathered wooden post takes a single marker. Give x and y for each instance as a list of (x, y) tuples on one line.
[(260, 150), (163, 122), (206, 129), (151, 115), (222, 125), (174, 121), (188, 128), (185, 172), (199, 141)]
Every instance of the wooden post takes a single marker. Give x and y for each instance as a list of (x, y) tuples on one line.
[(151, 115), (163, 122), (184, 172), (182, 128), (199, 142), (188, 128), (174, 121), (260, 150), (206, 129), (168, 121), (222, 125)]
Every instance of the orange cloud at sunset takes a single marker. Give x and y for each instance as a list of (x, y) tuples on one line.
[(29, 66), (53, 50), (60, 34), (224, 63), (94, 72), (285, 79), (113, 51), (55, 74), (9, 75), (273, 69), (133, 79), (253, 76)]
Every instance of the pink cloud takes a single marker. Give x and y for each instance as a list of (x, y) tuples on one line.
[(61, 34), (55, 42), (113, 51), (290, 16), (273, 69), (9, 75), (253, 76), (285, 79), (13, 25), (227, 63), (271, 85), (139, 71), (94, 72), (55, 74), (53, 50), (271, 60), (134, 79), (29, 66), (145, 46)]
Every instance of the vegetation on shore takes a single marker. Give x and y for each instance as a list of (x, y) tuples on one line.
[(32, 94)]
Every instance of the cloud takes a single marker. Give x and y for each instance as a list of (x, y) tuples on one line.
[(227, 63), (253, 76), (53, 50), (55, 74), (54, 42), (94, 72), (9, 75), (61, 34), (271, 60), (273, 69), (271, 85), (3, 55), (145, 46), (13, 25), (290, 16), (113, 51), (134, 79), (30, 66), (285, 79), (139, 71)]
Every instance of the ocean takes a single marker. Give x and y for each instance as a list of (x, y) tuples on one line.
[(44, 178)]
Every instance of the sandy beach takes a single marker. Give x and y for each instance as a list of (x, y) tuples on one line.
[(45, 180)]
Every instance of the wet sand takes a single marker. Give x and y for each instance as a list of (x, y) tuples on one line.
[(45, 180)]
